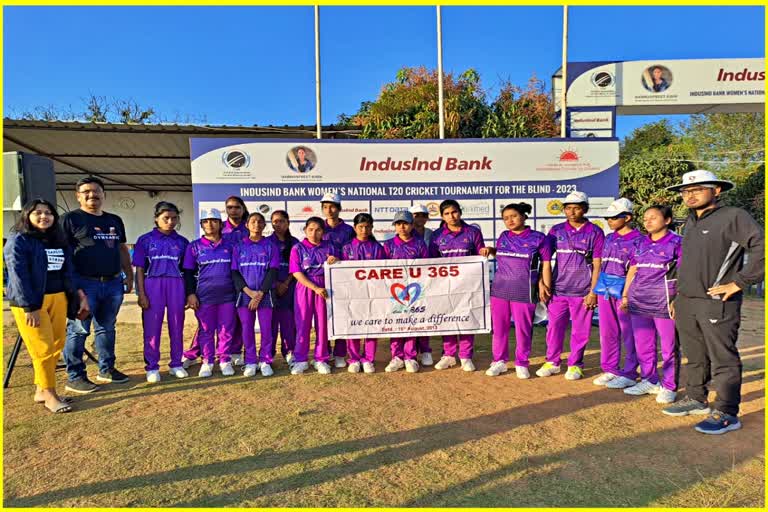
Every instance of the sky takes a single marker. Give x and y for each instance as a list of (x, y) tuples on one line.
[(255, 65)]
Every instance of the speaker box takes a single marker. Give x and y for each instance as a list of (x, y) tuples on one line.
[(27, 176)]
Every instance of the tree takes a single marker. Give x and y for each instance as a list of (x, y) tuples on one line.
[(521, 113)]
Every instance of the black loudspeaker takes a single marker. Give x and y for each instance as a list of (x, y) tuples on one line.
[(27, 176)]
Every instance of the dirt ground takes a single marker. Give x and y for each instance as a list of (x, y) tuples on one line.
[(434, 438)]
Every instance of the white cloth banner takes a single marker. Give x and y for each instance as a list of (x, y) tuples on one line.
[(404, 298)]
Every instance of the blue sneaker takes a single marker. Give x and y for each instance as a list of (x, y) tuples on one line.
[(718, 423)]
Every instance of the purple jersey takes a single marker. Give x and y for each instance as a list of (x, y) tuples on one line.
[(575, 250), (398, 249), (339, 236), (617, 250), (655, 283), (253, 260), (286, 301), (446, 243), (160, 255), (213, 262), (427, 236), (368, 250), (234, 234), (517, 265), (309, 258)]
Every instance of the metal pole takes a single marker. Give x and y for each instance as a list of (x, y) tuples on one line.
[(440, 103), (564, 87), (317, 71)]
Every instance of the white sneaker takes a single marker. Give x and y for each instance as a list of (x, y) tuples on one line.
[(369, 368), (548, 369), (186, 363), (666, 396), (411, 366), (496, 369), (395, 364), (620, 383), (467, 365), (603, 379), (289, 359), (354, 367), (445, 362), (522, 372), (179, 372), (574, 373), (227, 369), (643, 387), (299, 368), (250, 370), (266, 370), (236, 359), (206, 370), (339, 362), (322, 368), (153, 376), (426, 359)]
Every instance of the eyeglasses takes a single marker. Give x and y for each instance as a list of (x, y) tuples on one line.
[(692, 191), (617, 217)]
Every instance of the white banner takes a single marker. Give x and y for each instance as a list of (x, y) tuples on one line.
[(404, 298)]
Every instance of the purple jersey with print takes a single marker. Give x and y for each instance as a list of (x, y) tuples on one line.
[(234, 234), (214, 270), (617, 250), (160, 255), (446, 243), (398, 249), (309, 259), (655, 283), (339, 236), (253, 260), (368, 250), (575, 249), (517, 265), (286, 301)]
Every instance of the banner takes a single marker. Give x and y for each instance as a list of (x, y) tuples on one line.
[(404, 298)]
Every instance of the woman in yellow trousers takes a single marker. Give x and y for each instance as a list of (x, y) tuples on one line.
[(42, 295)]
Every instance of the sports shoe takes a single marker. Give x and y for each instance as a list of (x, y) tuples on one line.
[(666, 396), (643, 387), (354, 367), (81, 386), (227, 369), (467, 365), (266, 370), (339, 362), (153, 376), (395, 364), (718, 423), (186, 363), (289, 359), (685, 407), (548, 369), (496, 369), (236, 359), (445, 362), (620, 383), (299, 368), (574, 373), (179, 372), (206, 370), (522, 372), (369, 368), (112, 375), (603, 379), (322, 368), (411, 366), (249, 370), (426, 359)]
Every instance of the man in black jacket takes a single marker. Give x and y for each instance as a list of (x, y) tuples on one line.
[(707, 309)]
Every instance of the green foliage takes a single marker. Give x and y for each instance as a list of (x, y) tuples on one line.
[(647, 137), (521, 113)]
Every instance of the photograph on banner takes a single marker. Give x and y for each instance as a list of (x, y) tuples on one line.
[(400, 298)]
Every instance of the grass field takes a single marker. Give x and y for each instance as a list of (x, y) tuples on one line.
[(429, 439)]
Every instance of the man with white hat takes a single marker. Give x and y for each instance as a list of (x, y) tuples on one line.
[(420, 218), (707, 309)]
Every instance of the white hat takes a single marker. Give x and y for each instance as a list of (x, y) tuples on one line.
[(418, 208), (701, 177), (210, 213), (331, 197), (619, 206), (576, 197)]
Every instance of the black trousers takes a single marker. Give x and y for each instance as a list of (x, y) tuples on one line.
[(707, 330)]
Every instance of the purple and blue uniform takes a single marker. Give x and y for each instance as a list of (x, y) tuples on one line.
[(514, 292), (161, 257), (339, 236), (282, 313)]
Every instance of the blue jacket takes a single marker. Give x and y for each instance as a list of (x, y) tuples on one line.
[(28, 271)]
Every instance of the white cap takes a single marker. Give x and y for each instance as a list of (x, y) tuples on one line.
[(210, 213), (331, 197), (576, 197), (701, 177), (418, 208), (619, 206)]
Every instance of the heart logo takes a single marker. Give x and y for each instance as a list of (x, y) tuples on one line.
[(405, 295)]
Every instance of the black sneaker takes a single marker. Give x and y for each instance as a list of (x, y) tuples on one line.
[(113, 375), (685, 407), (81, 386)]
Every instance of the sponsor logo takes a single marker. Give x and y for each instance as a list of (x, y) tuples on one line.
[(602, 79), (417, 164), (405, 295), (569, 155), (568, 160), (264, 208), (741, 76), (555, 207), (236, 159), (434, 209)]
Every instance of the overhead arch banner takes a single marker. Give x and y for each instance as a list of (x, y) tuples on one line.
[(383, 177)]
